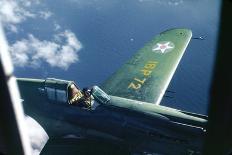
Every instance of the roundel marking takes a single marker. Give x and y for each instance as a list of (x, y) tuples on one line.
[(163, 47)]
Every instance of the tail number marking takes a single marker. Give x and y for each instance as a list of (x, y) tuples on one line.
[(137, 83)]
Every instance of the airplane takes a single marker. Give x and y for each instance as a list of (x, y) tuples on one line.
[(124, 110)]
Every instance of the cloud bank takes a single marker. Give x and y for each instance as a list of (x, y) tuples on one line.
[(61, 51)]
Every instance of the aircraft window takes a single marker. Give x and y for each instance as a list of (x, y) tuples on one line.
[(56, 90), (56, 95), (50, 93), (61, 95), (100, 95)]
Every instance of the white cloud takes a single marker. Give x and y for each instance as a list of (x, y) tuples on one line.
[(56, 26), (14, 12), (45, 14), (28, 3), (11, 13), (37, 135), (166, 2), (60, 52)]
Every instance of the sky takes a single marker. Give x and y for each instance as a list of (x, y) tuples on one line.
[(87, 41)]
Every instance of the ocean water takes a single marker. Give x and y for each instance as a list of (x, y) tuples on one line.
[(112, 31)]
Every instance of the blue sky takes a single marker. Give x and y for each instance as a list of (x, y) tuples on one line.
[(86, 41)]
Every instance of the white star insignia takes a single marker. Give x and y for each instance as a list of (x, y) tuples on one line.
[(163, 47)]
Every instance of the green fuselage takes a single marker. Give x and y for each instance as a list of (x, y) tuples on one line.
[(145, 127)]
